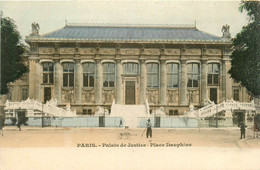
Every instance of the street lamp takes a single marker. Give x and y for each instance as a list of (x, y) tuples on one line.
[(216, 115), (104, 114)]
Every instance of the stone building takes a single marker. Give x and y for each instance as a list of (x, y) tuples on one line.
[(171, 67)]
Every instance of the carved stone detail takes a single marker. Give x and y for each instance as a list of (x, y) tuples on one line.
[(191, 51), (107, 51), (46, 50), (108, 96), (193, 96), (88, 96), (172, 51), (213, 51), (153, 96), (90, 51), (129, 51), (67, 96), (173, 96), (67, 50), (152, 51)]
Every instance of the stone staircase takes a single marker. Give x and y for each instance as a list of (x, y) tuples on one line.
[(212, 108), (129, 113)]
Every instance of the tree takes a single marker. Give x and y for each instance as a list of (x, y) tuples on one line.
[(12, 66), (245, 63)]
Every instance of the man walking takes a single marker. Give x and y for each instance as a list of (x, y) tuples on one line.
[(242, 129), (149, 129)]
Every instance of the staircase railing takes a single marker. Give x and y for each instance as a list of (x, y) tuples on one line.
[(50, 108), (213, 108)]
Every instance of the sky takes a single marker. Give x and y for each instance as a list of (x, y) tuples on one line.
[(209, 16)]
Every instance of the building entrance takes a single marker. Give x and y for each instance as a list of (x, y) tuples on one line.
[(47, 94), (130, 92), (213, 95)]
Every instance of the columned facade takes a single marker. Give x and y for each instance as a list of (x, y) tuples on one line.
[(168, 74)]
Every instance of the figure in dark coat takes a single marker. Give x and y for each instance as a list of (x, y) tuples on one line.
[(242, 129), (149, 129)]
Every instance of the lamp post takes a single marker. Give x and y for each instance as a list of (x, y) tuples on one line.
[(104, 114), (42, 115), (216, 115)]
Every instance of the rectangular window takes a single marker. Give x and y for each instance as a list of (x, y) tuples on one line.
[(171, 112), (68, 74), (152, 75), (88, 74), (193, 75), (47, 73), (108, 74), (172, 75), (236, 94), (131, 68), (24, 93), (213, 74)]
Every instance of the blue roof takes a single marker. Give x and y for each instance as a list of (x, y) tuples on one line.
[(128, 33)]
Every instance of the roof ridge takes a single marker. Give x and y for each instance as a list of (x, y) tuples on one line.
[(130, 25)]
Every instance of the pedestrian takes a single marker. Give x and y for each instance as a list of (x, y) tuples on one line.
[(2, 124), (255, 129), (19, 124), (120, 123), (242, 129), (149, 128)]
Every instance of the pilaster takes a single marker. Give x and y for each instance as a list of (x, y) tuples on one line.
[(204, 91), (119, 72), (78, 74), (163, 84), (58, 78), (99, 81), (143, 82), (183, 88)]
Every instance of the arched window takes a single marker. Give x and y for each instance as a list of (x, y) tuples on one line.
[(152, 75), (193, 75), (213, 74), (88, 74), (108, 75), (172, 75), (131, 68), (68, 74), (47, 73)]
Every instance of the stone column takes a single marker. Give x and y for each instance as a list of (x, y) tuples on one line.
[(143, 82), (58, 78), (99, 80), (183, 88), (226, 81), (32, 76), (38, 81), (34, 79), (78, 74), (119, 88), (163, 83), (204, 91)]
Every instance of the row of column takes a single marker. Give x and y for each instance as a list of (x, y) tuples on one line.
[(36, 71)]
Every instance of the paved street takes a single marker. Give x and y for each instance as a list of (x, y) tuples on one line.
[(104, 148), (108, 137)]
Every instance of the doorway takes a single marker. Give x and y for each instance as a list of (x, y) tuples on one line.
[(213, 95), (130, 92), (47, 94)]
